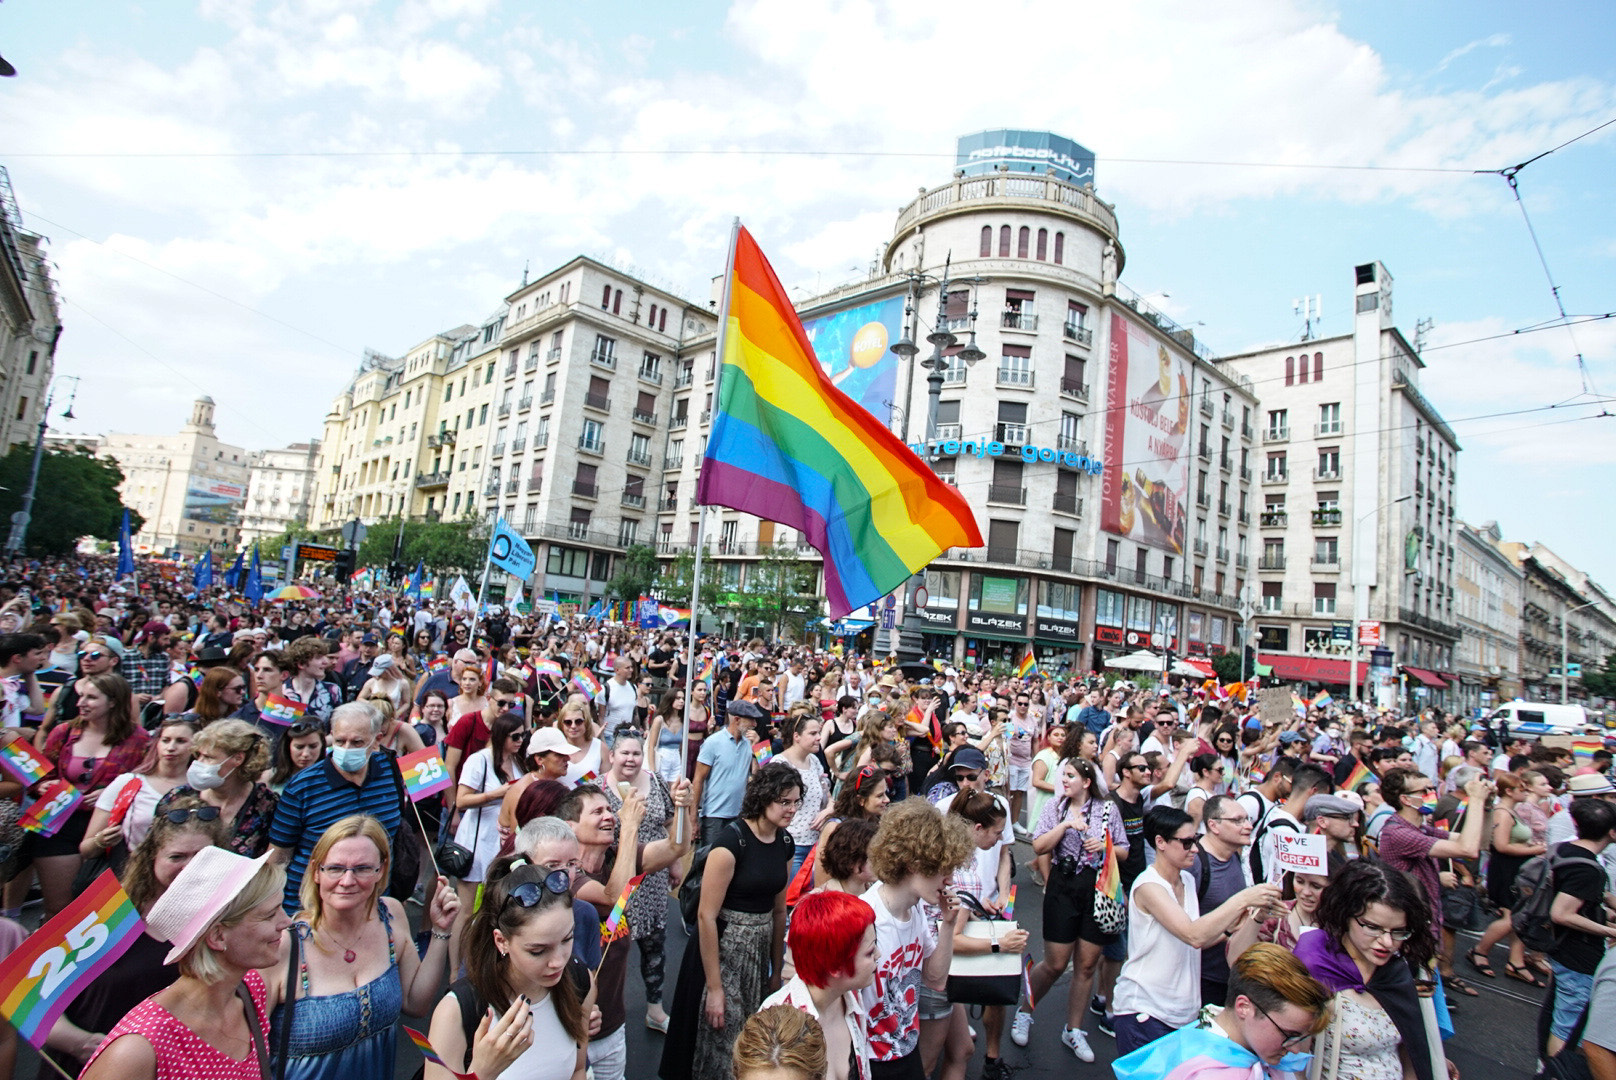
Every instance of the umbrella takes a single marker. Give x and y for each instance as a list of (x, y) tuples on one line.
[(1143, 660), (1199, 671), (293, 592)]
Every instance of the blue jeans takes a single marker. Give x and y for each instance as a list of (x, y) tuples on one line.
[(1571, 992), (1134, 1031)]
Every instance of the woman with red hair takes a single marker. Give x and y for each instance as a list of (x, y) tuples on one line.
[(832, 941)]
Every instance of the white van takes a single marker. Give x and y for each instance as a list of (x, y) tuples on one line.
[(1540, 718)]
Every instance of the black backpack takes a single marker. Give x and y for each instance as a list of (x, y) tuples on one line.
[(1259, 872), (690, 888), (1534, 896)]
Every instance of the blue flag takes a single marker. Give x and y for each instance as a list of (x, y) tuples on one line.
[(202, 576), (126, 548), (508, 551), (254, 589), (232, 576), (413, 589)]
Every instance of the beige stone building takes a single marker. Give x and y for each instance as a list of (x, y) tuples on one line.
[(30, 325), (189, 486), (278, 486), (1487, 604)]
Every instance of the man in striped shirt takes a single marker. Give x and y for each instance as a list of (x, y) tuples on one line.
[(354, 778)]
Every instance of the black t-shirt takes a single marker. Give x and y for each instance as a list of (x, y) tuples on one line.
[(761, 870), (1133, 822), (1583, 878), (659, 661)]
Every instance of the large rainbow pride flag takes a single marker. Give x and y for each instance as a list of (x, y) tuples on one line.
[(790, 447)]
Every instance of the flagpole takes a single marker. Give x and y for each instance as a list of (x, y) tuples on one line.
[(701, 528)]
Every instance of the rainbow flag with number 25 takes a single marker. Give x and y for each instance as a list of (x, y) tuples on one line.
[(60, 959), (50, 811), (425, 773)]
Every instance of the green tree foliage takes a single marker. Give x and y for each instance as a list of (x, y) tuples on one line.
[(779, 592), (1227, 665), (676, 578), (444, 546), (1601, 682), (637, 573), (77, 496)]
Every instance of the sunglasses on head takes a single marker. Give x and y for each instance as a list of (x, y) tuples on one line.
[(304, 727), (201, 813), (530, 893), (867, 774)]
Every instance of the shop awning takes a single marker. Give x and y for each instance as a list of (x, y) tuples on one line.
[(1203, 667), (1429, 678), (1308, 669)]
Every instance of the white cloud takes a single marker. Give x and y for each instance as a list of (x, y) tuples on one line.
[(1491, 41)]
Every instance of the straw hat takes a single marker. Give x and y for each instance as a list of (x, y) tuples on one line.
[(195, 899)]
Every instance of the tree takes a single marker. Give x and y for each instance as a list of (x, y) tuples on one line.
[(676, 579), (1227, 666), (77, 496), (637, 573), (1601, 683), (779, 591), (441, 545)]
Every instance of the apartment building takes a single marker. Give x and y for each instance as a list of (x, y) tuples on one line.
[(189, 486), (279, 483), (1488, 586), (1564, 613), (30, 324)]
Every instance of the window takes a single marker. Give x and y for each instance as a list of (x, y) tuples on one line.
[(728, 535), (482, 416), (1318, 367), (541, 432), (1113, 551), (1007, 482), (1060, 247), (33, 360), (651, 321), (1015, 365), (1276, 466), (1004, 241), (1324, 598), (1329, 461), (627, 531), (1139, 610), (1107, 606), (584, 481), (1072, 381), (639, 448), (22, 408), (1325, 550), (1273, 596), (448, 392), (1071, 431), (1330, 418), (1290, 371), (1043, 245), (1012, 425), (1059, 600), (592, 437), (948, 414), (1279, 423), (1141, 560), (606, 298), (1003, 539), (987, 241), (569, 562), (1022, 237)]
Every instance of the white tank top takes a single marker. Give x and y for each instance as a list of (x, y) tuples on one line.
[(552, 1055), (1161, 978)]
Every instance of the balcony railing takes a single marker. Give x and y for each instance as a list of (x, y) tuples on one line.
[(1068, 504), (1018, 320), (1079, 333), (639, 457), (491, 489), (535, 484), (525, 404), (706, 415), (578, 530), (510, 369), (553, 355), (677, 421), (1273, 519), (1072, 443), (1005, 493), (683, 379), (518, 445), (669, 502), (1226, 463), (1326, 518), (1227, 419), (586, 488), (541, 438), (510, 487), (597, 401), (1327, 474), (1330, 564), (1276, 476), (1009, 376), (1011, 434), (547, 397), (652, 375), (1224, 508), (669, 464), (591, 446), (637, 502), (1242, 561), (644, 417), (1277, 434), (1203, 499), (1207, 408), (1245, 431), (1328, 427), (605, 358), (1324, 605), (499, 449), (948, 432), (1244, 517), (1271, 562), (531, 363), (504, 410), (1204, 453), (1075, 389), (1223, 554), (1201, 547), (1245, 474), (432, 479)]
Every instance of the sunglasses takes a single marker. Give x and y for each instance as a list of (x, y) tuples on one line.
[(305, 727), (866, 775), (94, 654), (1188, 842), (201, 813), (530, 893)]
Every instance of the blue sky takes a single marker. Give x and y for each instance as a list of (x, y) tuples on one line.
[(259, 279)]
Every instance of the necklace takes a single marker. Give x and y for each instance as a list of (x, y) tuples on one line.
[(348, 955)]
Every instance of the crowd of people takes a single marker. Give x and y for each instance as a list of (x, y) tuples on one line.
[(838, 836)]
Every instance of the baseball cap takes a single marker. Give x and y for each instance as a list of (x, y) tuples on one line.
[(370, 639), (968, 757), (1288, 737)]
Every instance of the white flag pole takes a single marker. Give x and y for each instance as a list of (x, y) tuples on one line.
[(701, 534)]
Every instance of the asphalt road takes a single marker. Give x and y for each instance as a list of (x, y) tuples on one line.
[(1494, 1038)]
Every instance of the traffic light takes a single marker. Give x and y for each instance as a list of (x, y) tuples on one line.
[(344, 564)]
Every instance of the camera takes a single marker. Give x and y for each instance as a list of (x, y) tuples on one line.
[(1066, 864)]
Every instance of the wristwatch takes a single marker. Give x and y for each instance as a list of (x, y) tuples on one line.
[(995, 946)]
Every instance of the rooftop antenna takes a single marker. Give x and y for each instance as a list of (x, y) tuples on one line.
[(1421, 329), (1310, 309), (524, 274)]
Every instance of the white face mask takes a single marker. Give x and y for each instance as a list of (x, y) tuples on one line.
[(204, 776)]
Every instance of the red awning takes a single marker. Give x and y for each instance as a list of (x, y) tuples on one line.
[(1429, 678), (1311, 669), (1203, 666)]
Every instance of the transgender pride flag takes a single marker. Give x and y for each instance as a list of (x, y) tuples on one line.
[(1204, 1053)]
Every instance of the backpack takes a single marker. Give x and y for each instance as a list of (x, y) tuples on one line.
[(690, 889), (1534, 896), (1270, 822)]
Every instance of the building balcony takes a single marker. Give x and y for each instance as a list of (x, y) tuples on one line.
[(599, 402), (587, 489), (948, 432), (547, 397), (1011, 434), (531, 363), (1020, 378), (499, 449), (1277, 434), (432, 479), (706, 415), (1327, 564), (518, 445), (1223, 555), (504, 410), (1271, 562), (1244, 517), (535, 484), (1018, 320), (591, 446), (1207, 408), (1204, 453), (639, 457), (1068, 504), (541, 439), (525, 404), (668, 503), (553, 356), (510, 369), (651, 375), (1203, 499), (669, 464), (1078, 333), (1331, 427), (603, 358), (1200, 547), (1273, 519), (1226, 463), (1327, 474), (1276, 477), (1242, 560), (1072, 444), (511, 486), (678, 421), (1245, 474), (1227, 420), (1007, 495), (1223, 509), (491, 490), (633, 501), (1245, 431), (1326, 518), (1074, 389)]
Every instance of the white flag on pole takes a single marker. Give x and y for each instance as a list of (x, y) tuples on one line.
[(461, 596)]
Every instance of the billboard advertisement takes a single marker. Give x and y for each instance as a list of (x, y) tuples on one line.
[(1146, 487), (215, 501), (982, 153), (852, 348)]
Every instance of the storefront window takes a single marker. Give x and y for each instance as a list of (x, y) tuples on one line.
[(944, 587), (1001, 595), (1219, 628), (1139, 610), (1107, 607), (1059, 600), (1193, 626)]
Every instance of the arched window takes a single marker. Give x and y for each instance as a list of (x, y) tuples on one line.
[(662, 322), (606, 298), (1022, 238), (987, 241), (617, 303), (1318, 367), (1290, 370), (1043, 244), (1004, 241), (651, 322), (1060, 247)]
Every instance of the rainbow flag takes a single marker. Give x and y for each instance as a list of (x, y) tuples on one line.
[(426, 590), (673, 616), (614, 928), (1010, 904), (1583, 747), (1428, 804), (279, 710), (427, 1052), (439, 662), (1109, 880), (1360, 774), (1204, 1053), (547, 669), (763, 752), (50, 811), (1027, 666), (789, 446), (1026, 981), (586, 683), (704, 670), (1321, 699), (424, 772), (57, 961), (21, 760), (587, 778), (194, 673)]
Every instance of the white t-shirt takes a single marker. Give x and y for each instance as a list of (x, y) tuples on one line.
[(617, 701), (552, 1055), (893, 999), (137, 822), (1161, 979), (981, 879)]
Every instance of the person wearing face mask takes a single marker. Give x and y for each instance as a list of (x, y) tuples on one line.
[(228, 757), (1273, 1010), (355, 778), (1408, 842)]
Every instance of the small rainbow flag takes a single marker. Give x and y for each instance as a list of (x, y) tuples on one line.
[(1027, 666), (614, 928), (194, 673), (430, 1054), (1583, 747), (280, 710), (788, 445), (587, 778), (1428, 804), (584, 681), (50, 811), (22, 761), (1026, 982), (1321, 699), (1010, 904), (57, 961), (763, 752), (704, 669), (547, 669), (425, 773), (1109, 880), (438, 663), (1360, 774)]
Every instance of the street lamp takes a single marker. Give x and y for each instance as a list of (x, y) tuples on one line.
[(1565, 618), (940, 338), (1360, 591), (19, 520)]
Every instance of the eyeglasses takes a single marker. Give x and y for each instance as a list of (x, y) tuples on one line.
[(201, 813), (788, 804), (1374, 931), (94, 654), (1188, 842), (236, 687), (1241, 820), (304, 727), (1291, 1038), (362, 872), (530, 893), (969, 778)]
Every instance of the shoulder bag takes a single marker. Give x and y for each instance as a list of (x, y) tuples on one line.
[(992, 978)]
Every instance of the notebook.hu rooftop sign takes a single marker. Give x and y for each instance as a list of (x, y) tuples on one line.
[(1025, 152)]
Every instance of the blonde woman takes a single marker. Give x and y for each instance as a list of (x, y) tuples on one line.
[(229, 756)]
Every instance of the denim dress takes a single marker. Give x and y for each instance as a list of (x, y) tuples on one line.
[(342, 1036)]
